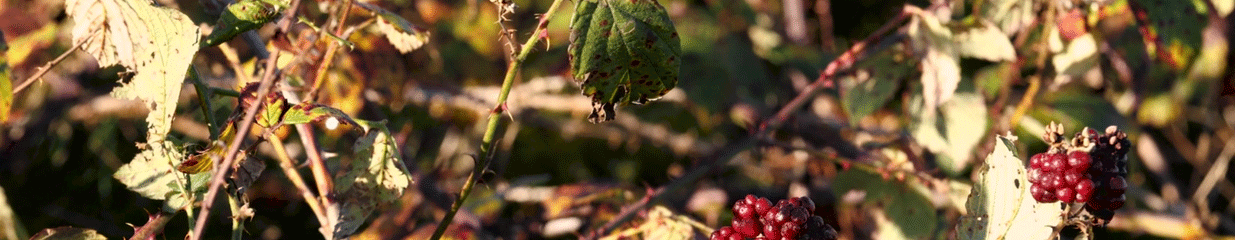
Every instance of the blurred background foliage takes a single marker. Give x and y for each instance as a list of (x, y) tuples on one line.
[(556, 175)]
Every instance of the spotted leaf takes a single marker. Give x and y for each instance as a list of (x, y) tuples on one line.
[(623, 51)]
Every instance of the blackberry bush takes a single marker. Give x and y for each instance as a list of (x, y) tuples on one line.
[(756, 218)]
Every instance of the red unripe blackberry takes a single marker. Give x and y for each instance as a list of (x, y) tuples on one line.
[(1071, 178), (1055, 162), (742, 210), (1084, 188), (790, 229), (1035, 162), (1065, 194), (1078, 161), (1035, 176), (1041, 194), (762, 205), (746, 227), (771, 231)]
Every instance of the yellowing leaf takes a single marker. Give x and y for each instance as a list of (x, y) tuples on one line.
[(622, 51), (310, 112), (152, 174), (401, 33), (376, 175), (1000, 206), (6, 86), (156, 43)]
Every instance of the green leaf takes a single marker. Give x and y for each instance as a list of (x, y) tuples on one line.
[(401, 33), (1000, 206), (376, 175), (875, 80), (68, 233), (242, 16), (941, 73), (903, 203), (272, 112), (623, 51), (152, 174), (155, 43), (1172, 29), (955, 135), (1079, 57), (311, 112), (984, 42)]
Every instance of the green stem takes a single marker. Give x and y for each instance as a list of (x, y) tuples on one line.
[(486, 148), (203, 95), (237, 227)]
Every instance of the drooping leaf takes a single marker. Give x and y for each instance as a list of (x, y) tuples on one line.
[(155, 43), (1000, 205), (152, 174), (622, 52), (311, 112), (1172, 30), (875, 79), (376, 175), (984, 42), (402, 34), (903, 203), (941, 72), (68, 233), (242, 16)]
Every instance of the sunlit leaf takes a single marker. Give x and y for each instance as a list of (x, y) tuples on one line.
[(903, 203), (155, 43), (376, 175), (272, 111), (940, 71), (401, 33), (68, 233), (984, 42), (152, 174), (311, 112), (1000, 206), (623, 52), (242, 16), (1079, 57)]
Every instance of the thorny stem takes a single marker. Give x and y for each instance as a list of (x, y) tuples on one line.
[(845, 60), (289, 169), (246, 124), (237, 227), (43, 70), (153, 226), (330, 52), (486, 147), (233, 148)]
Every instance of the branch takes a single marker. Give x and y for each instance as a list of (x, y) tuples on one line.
[(153, 226), (289, 169), (845, 60), (43, 70), (486, 148)]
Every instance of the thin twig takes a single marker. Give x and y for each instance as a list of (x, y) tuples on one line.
[(43, 70), (233, 148), (289, 169), (330, 52), (844, 61), (486, 147)]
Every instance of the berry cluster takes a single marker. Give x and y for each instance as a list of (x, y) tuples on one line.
[(1091, 169), (1109, 168), (1060, 176), (756, 218)]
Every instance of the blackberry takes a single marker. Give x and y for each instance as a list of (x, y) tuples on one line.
[(756, 218)]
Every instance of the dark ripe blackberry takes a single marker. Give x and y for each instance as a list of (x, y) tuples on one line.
[(798, 215), (1118, 185), (816, 229), (746, 227), (807, 203)]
